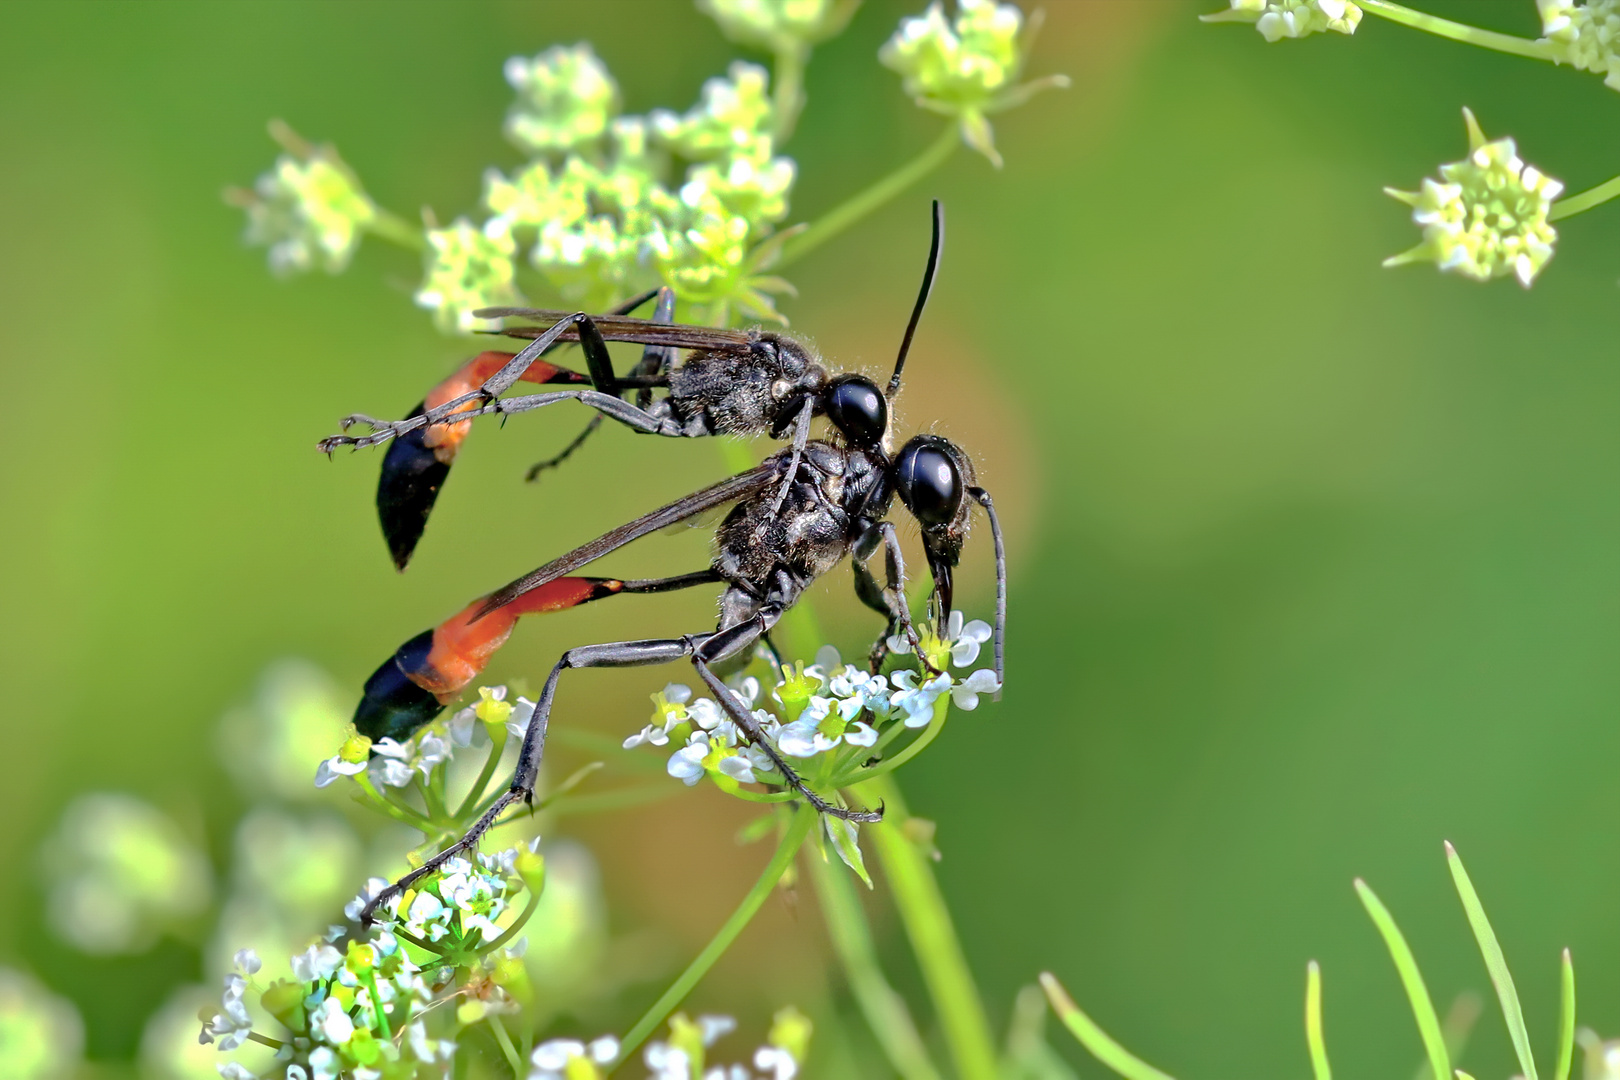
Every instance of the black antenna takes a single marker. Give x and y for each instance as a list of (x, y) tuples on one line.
[(922, 298), (982, 497)]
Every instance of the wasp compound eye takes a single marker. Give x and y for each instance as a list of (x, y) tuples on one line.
[(392, 706), (928, 481), (857, 409)]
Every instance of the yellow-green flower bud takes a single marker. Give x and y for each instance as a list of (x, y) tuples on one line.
[(284, 1000), (1487, 216), (790, 1031), (565, 99), (779, 25), (356, 748), (492, 710), (467, 269), (531, 868), (361, 959)]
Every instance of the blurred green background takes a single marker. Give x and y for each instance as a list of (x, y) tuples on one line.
[(1313, 564)]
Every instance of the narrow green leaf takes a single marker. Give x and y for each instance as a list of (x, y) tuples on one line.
[(1495, 963), (846, 842), (1566, 1018), (1434, 1041), (1093, 1038), (1313, 1022)]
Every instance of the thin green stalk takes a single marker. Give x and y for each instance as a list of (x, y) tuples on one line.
[(377, 1008), (1566, 1017), (497, 743), (517, 925), (885, 1010), (1470, 35), (793, 837), (507, 1048), (1579, 204), (933, 937), (402, 814), (618, 799), (853, 209), (788, 97), (1102, 1046), (1313, 1022), (1417, 995), (930, 733), (387, 225), (1495, 963)]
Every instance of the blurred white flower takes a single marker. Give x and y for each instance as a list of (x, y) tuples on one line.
[(1585, 36), (120, 872), (41, 1035), (270, 744), (1278, 19)]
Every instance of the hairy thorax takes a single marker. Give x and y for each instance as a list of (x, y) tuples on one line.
[(833, 495), (757, 393)]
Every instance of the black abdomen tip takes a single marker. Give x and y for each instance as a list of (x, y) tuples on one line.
[(406, 491), (392, 706)]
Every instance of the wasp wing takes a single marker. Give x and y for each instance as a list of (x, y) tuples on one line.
[(737, 487), (621, 328)]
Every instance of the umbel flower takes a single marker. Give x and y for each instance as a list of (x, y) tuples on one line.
[(779, 25), (1585, 36), (1487, 215), (1278, 19), (309, 210), (967, 67)]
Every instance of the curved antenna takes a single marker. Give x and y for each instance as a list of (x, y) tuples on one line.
[(982, 497), (922, 299)]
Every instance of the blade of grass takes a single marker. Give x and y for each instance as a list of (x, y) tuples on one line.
[(1566, 1017), (1313, 1022), (1495, 963), (1094, 1038), (1411, 978)]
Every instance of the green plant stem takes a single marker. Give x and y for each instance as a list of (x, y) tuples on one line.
[(930, 733), (497, 744), (793, 837), (1417, 994), (1469, 35), (933, 937), (885, 1010), (387, 225), (1579, 204), (1101, 1045), (377, 1007), (853, 209), (1313, 1023), (618, 799), (507, 1048), (787, 98), (517, 925)]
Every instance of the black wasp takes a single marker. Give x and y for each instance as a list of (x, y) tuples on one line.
[(795, 516)]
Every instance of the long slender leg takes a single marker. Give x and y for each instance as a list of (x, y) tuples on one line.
[(703, 649), (801, 436), (655, 360), (889, 600)]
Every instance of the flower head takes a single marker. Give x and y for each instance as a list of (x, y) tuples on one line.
[(1487, 215), (467, 269), (571, 1059), (1585, 36), (967, 67), (565, 98), (309, 210), (1278, 19), (779, 25)]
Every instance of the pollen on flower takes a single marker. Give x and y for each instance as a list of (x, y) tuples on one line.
[(309, 210), (1278, 19), (1585, 36), (467, 269), (966, 67), (1487, 215)]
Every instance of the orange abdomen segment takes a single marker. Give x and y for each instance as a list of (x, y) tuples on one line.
[(445, 439), (462, 645)]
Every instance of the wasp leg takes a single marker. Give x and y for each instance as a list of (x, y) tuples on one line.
[(655, 360), (889, 601), (703, 650)]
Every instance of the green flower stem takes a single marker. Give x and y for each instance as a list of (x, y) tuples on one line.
[(852, 210), (512, 931), (941, 706), (377, 1006), (497, 743), (793, 837), (426, 946), (619, 799), (387, 225), (884, 1008), (1470, 35), (274, 1044), (403, 815), (507, 1048), (1579, 204), (933, 937), (787, 97)]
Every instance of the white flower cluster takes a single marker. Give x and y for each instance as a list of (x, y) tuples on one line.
[(389, 763), (816, 710), (595, 206), (779, 25), (1487, 215), (41, 1035), (683, 1056), (309, 209), (967, 67), (343, 1011), (1278, 19), (1585, 36)]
